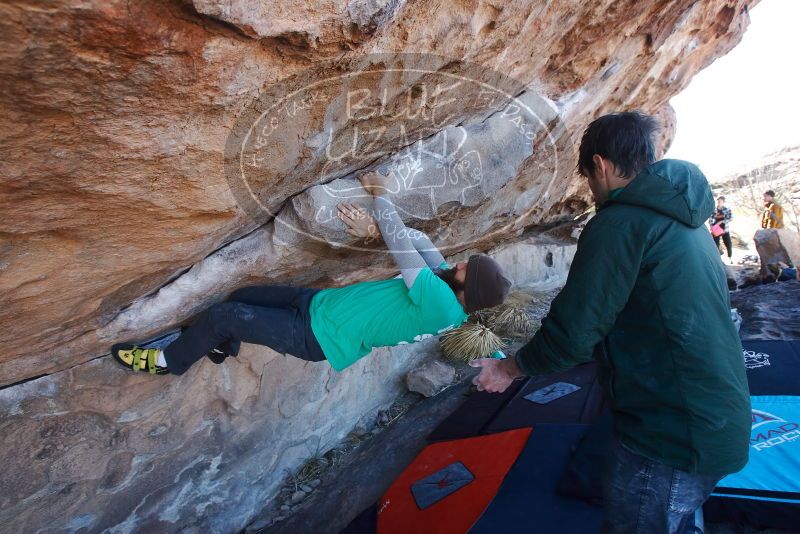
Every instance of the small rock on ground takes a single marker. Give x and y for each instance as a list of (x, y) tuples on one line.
[(430, 378)]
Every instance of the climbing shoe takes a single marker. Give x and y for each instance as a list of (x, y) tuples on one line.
[(217, 356), (226, 350), (138, 359)]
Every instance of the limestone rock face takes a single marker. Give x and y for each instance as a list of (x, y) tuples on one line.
[(158, 155), (541, 261), (339, 25), (119, 219), (98, 448)]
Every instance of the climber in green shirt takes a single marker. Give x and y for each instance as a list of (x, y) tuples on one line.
[(340, 325)]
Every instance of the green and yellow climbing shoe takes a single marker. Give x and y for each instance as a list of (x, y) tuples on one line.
[(138, 359)]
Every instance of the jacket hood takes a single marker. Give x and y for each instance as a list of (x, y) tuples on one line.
[(672, 187)]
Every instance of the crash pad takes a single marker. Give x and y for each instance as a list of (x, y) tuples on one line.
[(527, 500), (766, 493), (570, 397), (475, 414), (487, 459), (773, 367)]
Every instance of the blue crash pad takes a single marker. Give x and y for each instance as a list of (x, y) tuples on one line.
[(527, 500)]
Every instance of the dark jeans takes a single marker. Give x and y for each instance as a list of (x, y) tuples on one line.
[(644, 496), (275, 316), (726, 238)]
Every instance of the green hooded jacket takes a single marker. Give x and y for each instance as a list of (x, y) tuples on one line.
[(647, 298)]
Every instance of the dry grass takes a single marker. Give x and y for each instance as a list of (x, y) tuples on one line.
[(314, 466), (311, 469), (512, 321), (518, 317), (469, 341), (395, 411), (517, 299)]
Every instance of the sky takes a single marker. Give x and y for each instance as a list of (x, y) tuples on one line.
[(747, 103)]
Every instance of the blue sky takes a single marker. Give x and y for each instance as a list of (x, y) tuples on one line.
[(747, 103)]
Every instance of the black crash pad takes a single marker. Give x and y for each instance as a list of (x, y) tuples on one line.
[(527, 500), (773, 367), (582, 406), (474, 415)]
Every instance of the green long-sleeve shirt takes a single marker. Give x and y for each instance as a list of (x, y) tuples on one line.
[(647, 298)]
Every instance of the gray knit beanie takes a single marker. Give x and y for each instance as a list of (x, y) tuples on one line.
[(485, 285)]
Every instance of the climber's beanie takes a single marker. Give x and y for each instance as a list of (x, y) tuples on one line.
[(485, 286)]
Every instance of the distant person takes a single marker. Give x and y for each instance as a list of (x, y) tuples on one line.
[(646, 297), (722, 219), (775, 272), (773, 212), (783, 272)]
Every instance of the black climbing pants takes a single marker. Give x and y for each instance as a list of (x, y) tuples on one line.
[(275, 316), (726, 238)]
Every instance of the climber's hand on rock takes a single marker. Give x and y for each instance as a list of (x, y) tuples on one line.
[(359, 223), (496, 375), (374, 184)]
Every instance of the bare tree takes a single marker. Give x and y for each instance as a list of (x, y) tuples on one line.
[(792, 204)]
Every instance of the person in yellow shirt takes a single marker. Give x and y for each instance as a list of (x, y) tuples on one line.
[(773, 212)]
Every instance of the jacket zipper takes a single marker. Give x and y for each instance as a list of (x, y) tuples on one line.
[(612, 371)]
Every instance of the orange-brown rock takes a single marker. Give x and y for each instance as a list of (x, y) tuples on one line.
[(135, 193), (116, 114)]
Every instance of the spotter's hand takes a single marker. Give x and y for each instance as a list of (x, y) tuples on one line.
[(496, 375)]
